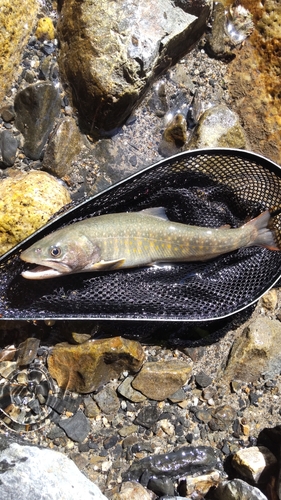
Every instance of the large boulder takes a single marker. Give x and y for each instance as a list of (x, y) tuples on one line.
[(112, 51)]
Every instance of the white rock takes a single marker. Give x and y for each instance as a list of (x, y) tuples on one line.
[(32, 473), (254, 462)]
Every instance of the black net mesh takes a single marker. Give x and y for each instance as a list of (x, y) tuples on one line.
[(205, 188)]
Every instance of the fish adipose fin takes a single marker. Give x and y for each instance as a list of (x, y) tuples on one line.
[(265, 236)]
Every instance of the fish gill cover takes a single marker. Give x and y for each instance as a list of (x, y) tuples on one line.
[(208, 188)]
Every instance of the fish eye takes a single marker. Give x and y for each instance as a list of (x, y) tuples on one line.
[(55, 251)]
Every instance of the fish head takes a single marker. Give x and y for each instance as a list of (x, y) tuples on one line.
[(60, 253)]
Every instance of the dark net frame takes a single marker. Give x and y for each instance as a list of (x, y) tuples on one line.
[(210, 187)]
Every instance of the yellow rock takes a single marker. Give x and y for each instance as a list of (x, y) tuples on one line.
[(86, 367), (27, 201), (45, 29), (17, 19)]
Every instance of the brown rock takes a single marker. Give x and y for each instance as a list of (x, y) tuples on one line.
[(259, 104), (86, 367), (256, 351), (111, 53), (159, 380), (17, 18), (27, 201), (132, 490)]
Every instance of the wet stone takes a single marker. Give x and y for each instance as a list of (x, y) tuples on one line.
[(108, 401), (161, 486), (8, 147), (77, 427), (36, 108), (218, 127), (188, 459), (141, 42)]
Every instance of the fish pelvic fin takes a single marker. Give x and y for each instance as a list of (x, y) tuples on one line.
[(265, 236)]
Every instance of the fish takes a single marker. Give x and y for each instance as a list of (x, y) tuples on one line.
[(133, 239)]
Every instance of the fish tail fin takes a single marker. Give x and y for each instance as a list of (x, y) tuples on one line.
[(265, 236)]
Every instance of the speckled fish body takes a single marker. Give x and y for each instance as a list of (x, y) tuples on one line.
[(125, 240)]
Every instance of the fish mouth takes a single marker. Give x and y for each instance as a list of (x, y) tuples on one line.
[(41, 273)]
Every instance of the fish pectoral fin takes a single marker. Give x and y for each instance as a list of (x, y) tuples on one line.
[(106, 265), (225, 226)]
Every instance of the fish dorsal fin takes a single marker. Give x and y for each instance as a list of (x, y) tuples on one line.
[(158, 212)]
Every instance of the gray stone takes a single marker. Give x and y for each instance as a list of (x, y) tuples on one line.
[(77, 427), (31, 473), (218, 127), (8, 145), (127, 391), (36, 108), (108, 401), (238, 490), (111, 53)]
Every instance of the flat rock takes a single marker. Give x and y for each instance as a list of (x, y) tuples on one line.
[(218, 127), (111, 53), (42, 473), (256, 351), (27, 201), (86, 367), (36, 108), (159, 380), (77, 427), (17, 18)]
